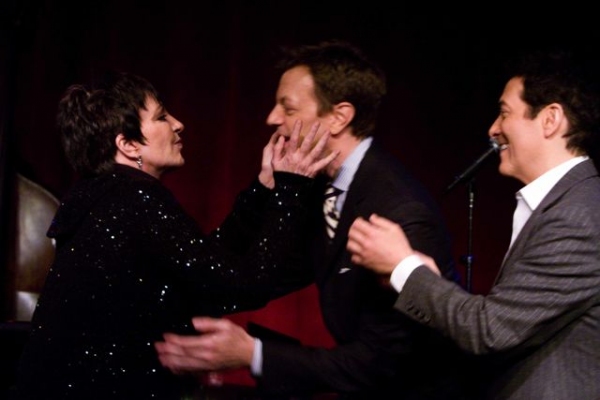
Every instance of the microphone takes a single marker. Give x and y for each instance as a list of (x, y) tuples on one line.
[(469, 172)]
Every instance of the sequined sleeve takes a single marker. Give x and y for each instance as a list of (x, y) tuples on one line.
[(235, 267)]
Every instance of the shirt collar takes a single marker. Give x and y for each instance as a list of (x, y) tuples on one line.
[(350, 165), (534, 192)]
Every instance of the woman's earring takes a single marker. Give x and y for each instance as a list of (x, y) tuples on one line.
[(139, 162)]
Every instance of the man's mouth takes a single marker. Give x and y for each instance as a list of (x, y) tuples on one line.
[(500, 144)]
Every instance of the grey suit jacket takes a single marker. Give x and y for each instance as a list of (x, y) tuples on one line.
[(538, 329)]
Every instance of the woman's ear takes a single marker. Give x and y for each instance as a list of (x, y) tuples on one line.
[(340, 117), (127, 148)]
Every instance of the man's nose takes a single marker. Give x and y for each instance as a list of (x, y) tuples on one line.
[(274, 118)]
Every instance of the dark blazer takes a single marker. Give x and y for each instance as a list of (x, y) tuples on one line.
[(541, 319), (379, 353)]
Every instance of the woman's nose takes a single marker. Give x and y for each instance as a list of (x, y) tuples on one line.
[(177, 126)]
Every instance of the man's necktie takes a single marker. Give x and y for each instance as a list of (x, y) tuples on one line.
[(331, 214)]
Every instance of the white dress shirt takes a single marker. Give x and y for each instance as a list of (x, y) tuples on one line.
[(532, 195)]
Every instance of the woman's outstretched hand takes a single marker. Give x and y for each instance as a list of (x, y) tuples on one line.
[(295, 155)]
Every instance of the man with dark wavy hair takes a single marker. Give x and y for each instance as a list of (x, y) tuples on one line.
[(539, 326)]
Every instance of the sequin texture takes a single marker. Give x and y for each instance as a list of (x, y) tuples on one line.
[(131, 265)]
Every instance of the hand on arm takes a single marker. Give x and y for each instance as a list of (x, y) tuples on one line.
[(221, 345), (380, 245)]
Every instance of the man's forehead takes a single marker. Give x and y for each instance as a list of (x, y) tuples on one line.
[(512, 90)]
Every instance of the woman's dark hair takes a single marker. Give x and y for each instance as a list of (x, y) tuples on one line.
[(90, 118)]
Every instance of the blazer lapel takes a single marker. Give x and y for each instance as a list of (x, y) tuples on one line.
[(581, 171), (355, 195)]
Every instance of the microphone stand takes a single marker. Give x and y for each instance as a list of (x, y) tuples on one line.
[(467, 259), (467, 177)]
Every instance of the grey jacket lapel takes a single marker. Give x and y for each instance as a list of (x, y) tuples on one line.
[(581, 171)]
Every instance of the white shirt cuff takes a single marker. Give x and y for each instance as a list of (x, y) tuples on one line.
[(403, 270), (256, 365)]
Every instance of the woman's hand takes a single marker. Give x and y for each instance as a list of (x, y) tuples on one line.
[(297, 155)]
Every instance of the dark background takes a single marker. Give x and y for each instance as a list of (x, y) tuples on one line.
[(212, 62)]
